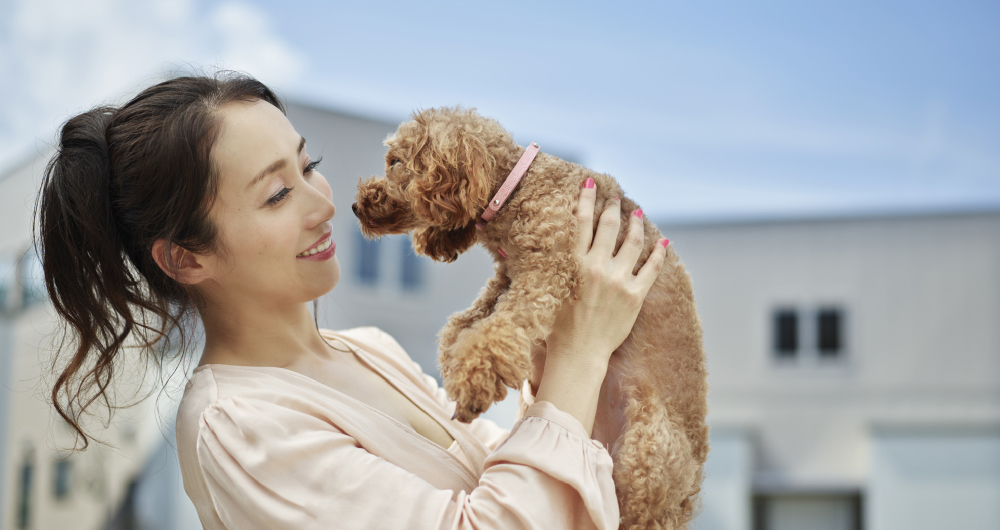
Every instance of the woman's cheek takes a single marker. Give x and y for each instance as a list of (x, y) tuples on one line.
[(283, 237)]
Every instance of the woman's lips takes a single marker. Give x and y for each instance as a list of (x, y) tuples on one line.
[(321, 250), (323, 255)]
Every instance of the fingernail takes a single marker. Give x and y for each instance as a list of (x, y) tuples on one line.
[(665, 242), (589, 183), (617, 199), (638, 213)]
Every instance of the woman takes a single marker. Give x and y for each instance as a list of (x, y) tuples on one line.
[(199, 198)]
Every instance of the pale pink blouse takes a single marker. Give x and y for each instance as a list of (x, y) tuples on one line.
[(269, 448)]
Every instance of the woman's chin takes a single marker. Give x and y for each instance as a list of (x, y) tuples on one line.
[(322, 282)]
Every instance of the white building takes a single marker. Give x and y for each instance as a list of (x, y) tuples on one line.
[(855, 370), (854, 363)]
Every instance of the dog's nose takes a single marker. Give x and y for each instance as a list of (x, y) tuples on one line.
[(354, 208)]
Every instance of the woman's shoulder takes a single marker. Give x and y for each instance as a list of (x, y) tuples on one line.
[(210, 384), (216, 388)]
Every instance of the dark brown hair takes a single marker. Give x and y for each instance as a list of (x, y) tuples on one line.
[(121, 179)]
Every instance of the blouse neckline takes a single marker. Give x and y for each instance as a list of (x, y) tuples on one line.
[(458, 454)]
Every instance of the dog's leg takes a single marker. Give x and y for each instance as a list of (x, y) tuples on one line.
[(481, 308), (494, 353), (656, 478)]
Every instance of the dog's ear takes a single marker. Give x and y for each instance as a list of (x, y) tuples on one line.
[(444, 245), (455, 168)]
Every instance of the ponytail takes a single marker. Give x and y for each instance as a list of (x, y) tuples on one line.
[(83, 261), (120, 180)]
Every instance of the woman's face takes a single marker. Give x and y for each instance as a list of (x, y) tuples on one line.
[(273, 212)]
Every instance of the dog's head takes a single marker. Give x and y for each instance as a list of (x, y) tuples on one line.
[(439, 173)]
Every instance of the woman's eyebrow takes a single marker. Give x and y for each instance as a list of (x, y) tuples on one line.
[(276, 165)]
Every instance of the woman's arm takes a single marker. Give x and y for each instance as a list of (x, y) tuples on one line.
[(262, 464), (588, 330)]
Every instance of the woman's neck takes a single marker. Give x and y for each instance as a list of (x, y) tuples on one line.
[(256, 337)]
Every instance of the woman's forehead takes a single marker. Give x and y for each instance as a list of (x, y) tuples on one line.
[(252, 136)]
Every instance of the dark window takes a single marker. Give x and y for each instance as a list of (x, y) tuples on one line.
[(829, 324), (786, 332), (24, 502), (367, 260), (412, 275), (61, 482), (831, 511)]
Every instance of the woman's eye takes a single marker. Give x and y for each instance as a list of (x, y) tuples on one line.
[(311, 166), (280, 196)]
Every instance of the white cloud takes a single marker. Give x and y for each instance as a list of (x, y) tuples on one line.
[(59, 57)]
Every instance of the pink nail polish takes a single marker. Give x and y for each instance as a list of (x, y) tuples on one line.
[(638, 213), (665, 242), (589, 183), (617, 199)]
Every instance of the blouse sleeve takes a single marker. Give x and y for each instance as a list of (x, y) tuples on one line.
[(268, 466)]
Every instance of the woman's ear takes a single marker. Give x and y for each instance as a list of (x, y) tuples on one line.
[(182, 265)]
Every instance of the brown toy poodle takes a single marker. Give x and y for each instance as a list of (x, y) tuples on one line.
[(443, 170)]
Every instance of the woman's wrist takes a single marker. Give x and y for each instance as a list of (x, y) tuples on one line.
[(572, 383), (590, 352)]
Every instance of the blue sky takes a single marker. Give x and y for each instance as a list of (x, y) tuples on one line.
[(710, 109)]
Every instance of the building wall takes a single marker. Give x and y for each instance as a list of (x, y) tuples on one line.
[(725, 490), (921, 300), (18, 186), (37, 440), (929, 478)]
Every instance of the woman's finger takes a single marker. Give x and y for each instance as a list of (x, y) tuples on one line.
[(585, 216), (607, 230), (651, 269), (632, 245)]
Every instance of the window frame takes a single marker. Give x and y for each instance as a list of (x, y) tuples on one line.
[(808, 354)]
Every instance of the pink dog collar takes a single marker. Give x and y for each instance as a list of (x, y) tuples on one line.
[(508, 185)]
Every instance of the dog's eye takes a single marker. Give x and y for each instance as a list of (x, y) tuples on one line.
[(395, 161)]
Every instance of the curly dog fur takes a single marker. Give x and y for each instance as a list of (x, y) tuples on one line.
[(441, 169)]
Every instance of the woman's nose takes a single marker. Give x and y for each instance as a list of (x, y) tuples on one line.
[(321, 210)]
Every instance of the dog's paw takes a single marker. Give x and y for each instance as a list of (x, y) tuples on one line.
[(483, 361), (473, 386)]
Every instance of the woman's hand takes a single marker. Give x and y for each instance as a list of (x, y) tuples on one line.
[(610, 296), (588, 330)]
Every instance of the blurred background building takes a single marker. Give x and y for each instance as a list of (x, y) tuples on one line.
[(828, 172)]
